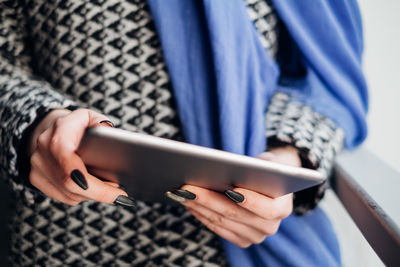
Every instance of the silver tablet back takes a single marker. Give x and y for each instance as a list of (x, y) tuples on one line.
[(149, 166)]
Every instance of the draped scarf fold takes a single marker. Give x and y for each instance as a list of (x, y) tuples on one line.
[(223, 79)]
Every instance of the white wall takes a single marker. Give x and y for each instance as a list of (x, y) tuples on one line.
[(382, 68), (381, 21)]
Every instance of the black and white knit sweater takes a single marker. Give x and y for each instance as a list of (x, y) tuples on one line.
[(105, 55)]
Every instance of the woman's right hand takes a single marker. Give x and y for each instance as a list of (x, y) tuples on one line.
[(56, 168)]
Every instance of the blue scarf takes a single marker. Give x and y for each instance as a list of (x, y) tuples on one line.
[(216, 72), (223, 79)]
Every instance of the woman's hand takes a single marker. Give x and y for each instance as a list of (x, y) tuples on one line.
[(57, 170), (241, 216)]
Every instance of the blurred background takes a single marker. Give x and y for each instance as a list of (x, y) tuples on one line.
[(382, 68), (382, 65), (381, 22)]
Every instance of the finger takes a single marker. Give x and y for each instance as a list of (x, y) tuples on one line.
[(44, 162), (224, 206), (266, 207), (267, 156), (107, 123), (74, 176), (287, 155), (68, 130), (48, 169), (97, 189), (44, 125), (222, 232), (241, 230), (39, 181), (43, 140), (112, 184)]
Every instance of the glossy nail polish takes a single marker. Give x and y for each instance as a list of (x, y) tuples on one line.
[(79, 179), (108, 122), (234, 196), (184, 193), (125, 201), (174, 197)]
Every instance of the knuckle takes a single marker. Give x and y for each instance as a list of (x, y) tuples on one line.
[(271, 214), (259, 239), (216, 219), (230, 213), (68, 184), (203, 199), (73, 197), (35, 159), (244, 244), (212, 227), (288, 211), (270, 230), (56, 140), (41, 142), (33, 179), (55, 143), (275, 228), (59, 122), (267, 231)]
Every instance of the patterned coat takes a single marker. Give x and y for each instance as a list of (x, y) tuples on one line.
[(105, 55)]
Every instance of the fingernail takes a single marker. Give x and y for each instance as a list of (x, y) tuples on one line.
[(79, 179), (174, 197), (184, 193), (125, 201), (108, 122), (234, 196)]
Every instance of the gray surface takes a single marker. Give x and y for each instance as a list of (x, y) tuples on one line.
[(376, 177), (355, 250), (382, 183), (380, 231)]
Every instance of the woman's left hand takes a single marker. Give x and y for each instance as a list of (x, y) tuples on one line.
[(242, 216)]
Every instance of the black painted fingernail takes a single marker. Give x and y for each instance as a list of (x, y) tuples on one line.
[(125, 201), (184, 193), (108, 122), (79, 179), (174, 197), (234, 196)]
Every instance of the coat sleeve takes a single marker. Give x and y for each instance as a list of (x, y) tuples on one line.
[(24, 99), (321, 101)]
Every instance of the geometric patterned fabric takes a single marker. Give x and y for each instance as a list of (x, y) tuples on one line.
[(315, 136), (104, 55)]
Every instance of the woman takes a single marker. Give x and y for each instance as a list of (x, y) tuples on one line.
[(60, 57)]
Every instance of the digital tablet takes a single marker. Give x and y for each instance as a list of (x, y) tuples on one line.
[(148, 166)]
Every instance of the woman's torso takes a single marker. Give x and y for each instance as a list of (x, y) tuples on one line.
[(106, 56)]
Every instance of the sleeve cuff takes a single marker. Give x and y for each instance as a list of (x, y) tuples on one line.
[(316, 137), (26, 101)]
